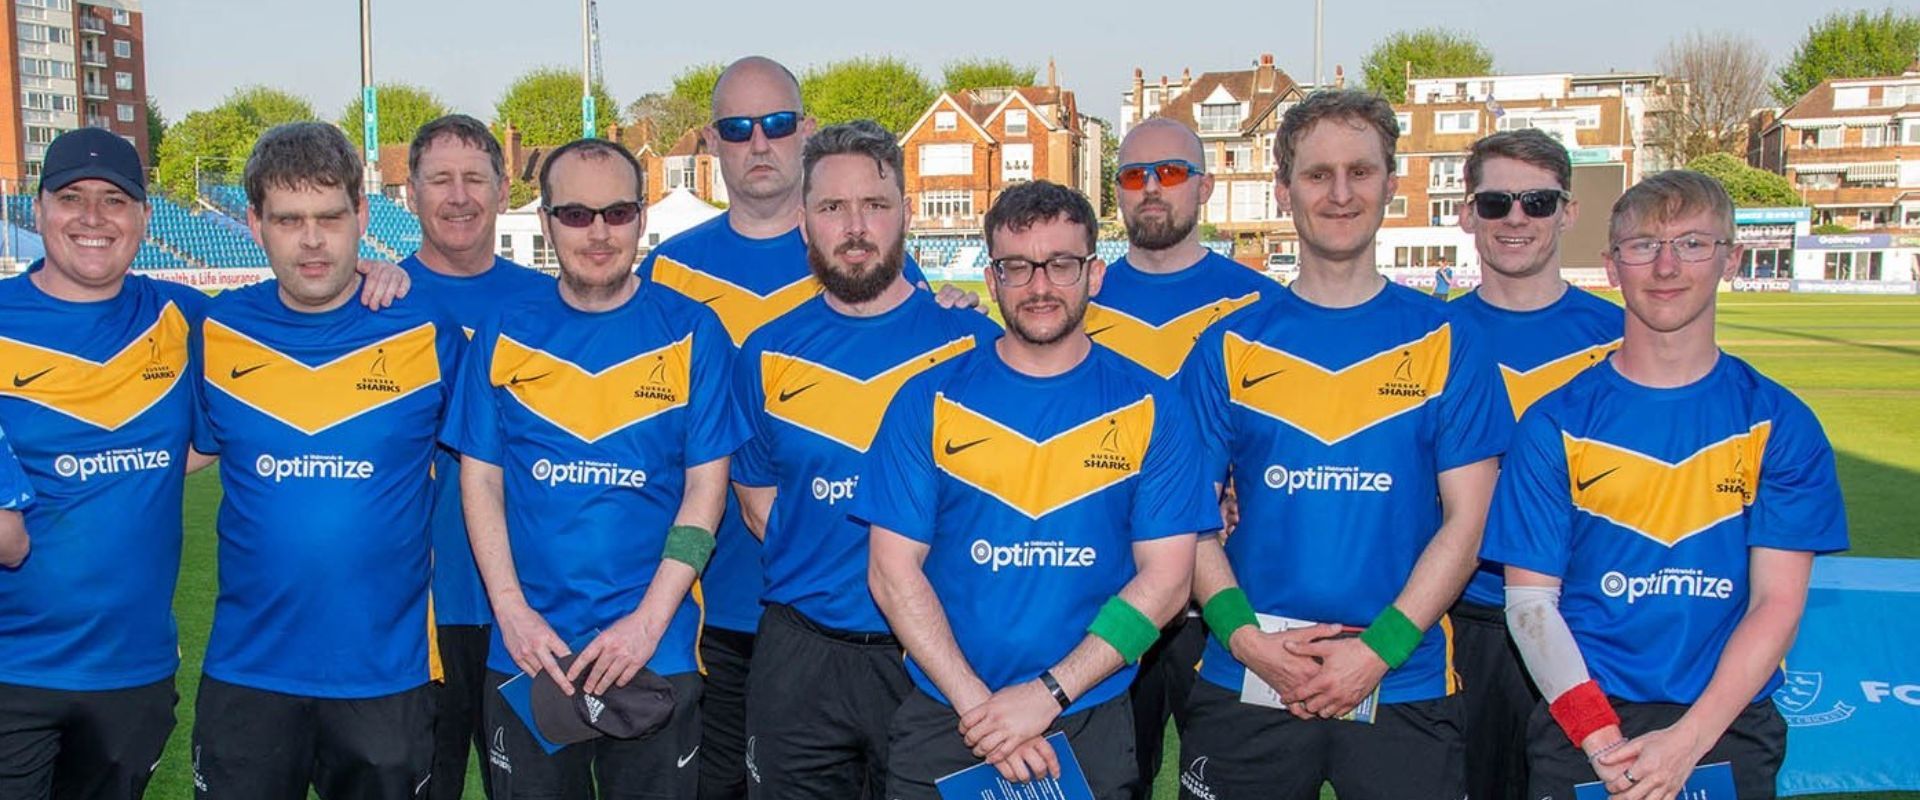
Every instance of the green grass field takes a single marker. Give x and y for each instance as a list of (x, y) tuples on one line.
[(1856, 361)]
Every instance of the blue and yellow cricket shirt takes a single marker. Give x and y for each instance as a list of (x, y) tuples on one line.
[(97, 399), (15, 492), (1155, 319), (747, 282), (1029, 493), (815, 384), (1336, 423), (1538, 351), (593, 419), (458, 596), (1644, 502), (324, 424)]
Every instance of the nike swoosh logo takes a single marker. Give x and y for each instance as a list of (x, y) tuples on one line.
[(952, 450), (1248, 383), (1102, 329), (786, 395), (1595, 479), (517, 380), (237, 373), (20, 382), (709, 301), (682, 761)]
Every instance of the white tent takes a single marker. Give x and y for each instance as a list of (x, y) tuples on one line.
[(676, 212)]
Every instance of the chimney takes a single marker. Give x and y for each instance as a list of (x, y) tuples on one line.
[(1339, 77), (512, 149), (1139, 93), (1186, 78), (1265, 76), (1053, 74)]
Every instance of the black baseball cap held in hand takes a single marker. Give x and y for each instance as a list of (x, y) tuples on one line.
[(93, 153), (640, 708)]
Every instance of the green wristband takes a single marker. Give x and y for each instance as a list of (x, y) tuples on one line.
[(1228, 611), (690, 545), (1392, 637), (1123, 626)]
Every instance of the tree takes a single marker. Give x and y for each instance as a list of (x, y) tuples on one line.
[(683, 107), (977, 73), (1109, 163), (156, 130), (1725, 76), (403, 109), (212, 146), (543, 104), (1842, 45), (1749, 186), (887, 90), (1429, 53)]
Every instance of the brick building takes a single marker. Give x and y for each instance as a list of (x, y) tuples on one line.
[(969, 146), (69, 64)]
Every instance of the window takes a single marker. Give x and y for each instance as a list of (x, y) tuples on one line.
[(1444, 172), (1425, 255), (30, 32), (1216, 208), (1872, 137), (1016, 123), (946, 159), (1853, 265), (1250, 199), (1818, 180), (1400, 166), (945, 120), (1210, 158), (1239, 158), (1016, 163), (120, 15), (1456, 121), (1444, 211), (1913, 132), (1586, 118), (1850, 97), (1911, 219), (1397, 207), (122, 48), (124, 112), (543, 254), (1897, 96), (1771, 262), (505, 250), (1405, 118), (946, 203), (1829, 137), (679, 172), (39, 135), (1219, 117), (123, 81)]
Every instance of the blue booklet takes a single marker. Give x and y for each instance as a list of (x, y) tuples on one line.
[(518, 692), (983, 782), (1708, 782)]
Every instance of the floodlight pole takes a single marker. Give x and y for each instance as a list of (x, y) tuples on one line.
[(1319, 28), (369, 101), (586, 70)]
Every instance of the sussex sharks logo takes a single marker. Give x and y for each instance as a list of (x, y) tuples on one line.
[(1796, 698)]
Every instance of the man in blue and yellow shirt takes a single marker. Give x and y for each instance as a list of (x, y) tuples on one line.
[(1362, 426), (15, 495), (1541, 331), (594, 425), (826, 675), (1658, 518), (1033, 508), (323, 413)]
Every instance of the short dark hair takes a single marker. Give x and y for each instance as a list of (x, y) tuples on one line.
[(1528, 146), (594, 149), (297, 155), (1667, 196), (861, 137), (462, 128), (1347, 105), (1020, 207)]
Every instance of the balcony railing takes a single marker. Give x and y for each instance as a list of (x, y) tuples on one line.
[(94, 91), (93, 58), (92, 26), (98, 121), (1446, 183)]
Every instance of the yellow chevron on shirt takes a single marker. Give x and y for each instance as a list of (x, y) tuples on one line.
[(104, 394), (834, 404), (1666, 502), (1526, 387), (1332, 405), (591, 405), (741, 310), (1038, 478), (313, 399), (1160, 348)]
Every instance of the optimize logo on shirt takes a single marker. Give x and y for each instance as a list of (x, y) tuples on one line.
[(588, 473), (1332, 405), (1031, 554), (1664, 502), (1666, 582), (1038, 478), (1327, 479), (313, 466), (835, 491), (741, 310), (1160, 348), (105, 394), (110, 462)]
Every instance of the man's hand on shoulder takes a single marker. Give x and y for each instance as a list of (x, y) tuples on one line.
[(384, 283)]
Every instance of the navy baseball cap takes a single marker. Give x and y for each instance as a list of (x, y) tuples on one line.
[(93, 153)]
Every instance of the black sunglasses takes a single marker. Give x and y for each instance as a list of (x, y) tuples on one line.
[(777, 125), (575, 215), (1536, 203)]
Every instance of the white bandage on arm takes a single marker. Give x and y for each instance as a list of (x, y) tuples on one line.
[(1544, 641)]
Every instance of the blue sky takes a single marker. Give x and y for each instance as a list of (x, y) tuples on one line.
[(466, 52)]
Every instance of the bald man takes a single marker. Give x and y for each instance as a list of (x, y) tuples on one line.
[(1155, 301)]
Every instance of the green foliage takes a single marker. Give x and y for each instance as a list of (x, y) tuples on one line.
[(887, 90), (403, 108), (977, 73), (215, 142), (683, 107), (1749, 186), (156, 130), (1432, 52), (544, 105), (1829, 229), (1109, 162), (1859, 44)]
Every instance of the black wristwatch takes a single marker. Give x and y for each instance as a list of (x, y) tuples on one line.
[(1053, 686)]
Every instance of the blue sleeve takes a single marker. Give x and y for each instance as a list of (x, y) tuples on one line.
[(716, 426), (201, 428), (1475, 417), (472, 425), (1798, 505), (753, 462), (645, 270), (1530, 524), (1174, 496), (15, 493), (899, 487), (1202, 382)]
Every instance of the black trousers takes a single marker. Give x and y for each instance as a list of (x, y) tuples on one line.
[(819, 706), (657, 767), (1497, 695), (82, 745), (927, 746), (723, 713), (1160, 691), (250, 744), (1755, 744), (457, 704)]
